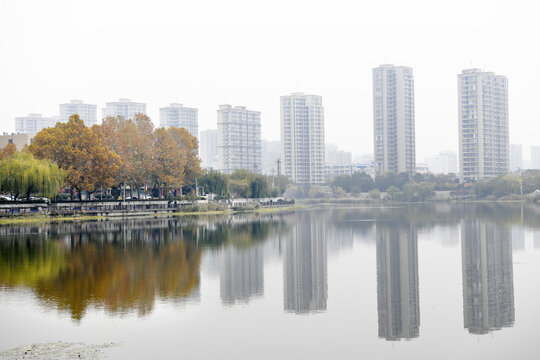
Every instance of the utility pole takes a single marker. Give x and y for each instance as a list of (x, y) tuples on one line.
[(278, 164)]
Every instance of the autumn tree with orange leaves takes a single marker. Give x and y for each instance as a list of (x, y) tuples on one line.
[(80, 151)]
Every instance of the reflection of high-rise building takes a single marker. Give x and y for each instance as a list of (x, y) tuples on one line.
[(536, 239), (241, 274), (304, 267), (488, 285), (398, 302), (518, 238)]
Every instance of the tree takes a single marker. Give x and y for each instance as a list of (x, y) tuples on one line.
[(258, 186), (80, 151), (24, 174), (214, 182), (168, 167), (133, 140), (394, 193), (189, 147), (8, 151)]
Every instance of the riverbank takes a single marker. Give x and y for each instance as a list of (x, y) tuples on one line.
[(41, 219)]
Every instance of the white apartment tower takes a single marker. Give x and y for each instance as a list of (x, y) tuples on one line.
[(393, 119), (179, 116), (483, 125), (302, 138), (123, 107), (33, 123), (239, 139), (87, 112)]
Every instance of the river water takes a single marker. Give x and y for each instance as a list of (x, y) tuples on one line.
[(435, 281)]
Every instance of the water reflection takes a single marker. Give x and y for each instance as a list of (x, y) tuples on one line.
[(398, 303), (488, 286), (241, 274), (305, 266)]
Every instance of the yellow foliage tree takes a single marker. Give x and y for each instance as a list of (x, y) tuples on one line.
[(80, 151)]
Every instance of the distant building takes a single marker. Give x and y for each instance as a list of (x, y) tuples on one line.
[(421, 168), (302, 138), (19, 140), (208, 149), (394, 119), (33, 123), (123, 107), (270, 153), (535, 157), (179, 116), (483, 125), (333, 156), (239, 139), (488, 285), (398, 296), (516, 157), (87, 112), (444, 162)]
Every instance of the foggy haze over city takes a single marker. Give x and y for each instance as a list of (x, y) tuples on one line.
[(203, 54)]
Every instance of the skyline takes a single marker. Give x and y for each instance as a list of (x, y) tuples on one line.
[(333, 57)]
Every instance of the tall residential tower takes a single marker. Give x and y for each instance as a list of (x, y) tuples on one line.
[(123, 107), (179, 116), (483, 125), (239, 139), (393, 119), (302, 138), (87, 112)]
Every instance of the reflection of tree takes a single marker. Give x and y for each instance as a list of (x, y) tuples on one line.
[(488, 286), (119, 276), (398, 303)]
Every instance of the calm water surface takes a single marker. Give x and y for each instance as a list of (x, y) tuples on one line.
[(412, 282)]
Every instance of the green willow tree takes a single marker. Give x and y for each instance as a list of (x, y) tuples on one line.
[(22, 174)]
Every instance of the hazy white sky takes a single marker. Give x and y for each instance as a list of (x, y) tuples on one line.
[(205, 53)]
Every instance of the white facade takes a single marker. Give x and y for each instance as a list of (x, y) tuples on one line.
[(179, 116), (123, 107), (208, 149), (444, 162), (516, 157), (483, 125), (239, 139), (302, 138), (270, 153), (394, 119), (33, 123), (87, 112)]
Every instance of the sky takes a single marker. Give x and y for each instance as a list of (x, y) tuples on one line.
[(206, 53)]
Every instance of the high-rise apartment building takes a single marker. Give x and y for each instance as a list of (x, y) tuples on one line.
[(179, 116), (516, 157), (123, 107), (483, 124), (239, 139), (87, 112), (302, 138), (393, 119), (33, 123), (208, 148)]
